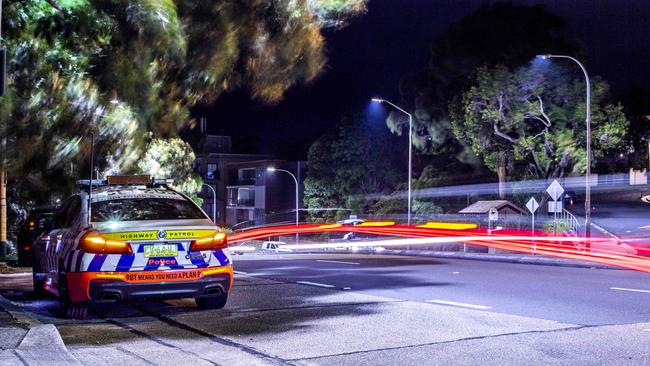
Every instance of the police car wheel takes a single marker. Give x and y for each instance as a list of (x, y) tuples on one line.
[(38, 284), (67, 308), (211, 302)]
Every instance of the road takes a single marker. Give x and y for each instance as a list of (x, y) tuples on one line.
[(622, 214), (380, 310)]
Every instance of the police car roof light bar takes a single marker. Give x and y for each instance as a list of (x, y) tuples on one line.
[(128, 179), (95, 182), (161, 181)]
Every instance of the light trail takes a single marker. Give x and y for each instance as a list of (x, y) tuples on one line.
[(600, 249)]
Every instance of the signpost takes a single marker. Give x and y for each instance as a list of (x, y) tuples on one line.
[(555, 190), (493, 215), (532, 206)]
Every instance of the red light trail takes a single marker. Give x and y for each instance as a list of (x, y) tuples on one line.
[(601, 250)]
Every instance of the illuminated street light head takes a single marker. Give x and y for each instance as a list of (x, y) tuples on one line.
[(270, 169), (544, 57), (377, 100)]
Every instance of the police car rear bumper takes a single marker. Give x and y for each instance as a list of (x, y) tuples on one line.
[(102, 292), (114, 286)]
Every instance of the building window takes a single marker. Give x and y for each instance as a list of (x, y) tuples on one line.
[(247, 176), (211, 172), (241, 197)]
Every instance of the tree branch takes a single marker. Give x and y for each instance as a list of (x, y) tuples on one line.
[(538, 166), (541, 110), (501, 134), (54, 4)]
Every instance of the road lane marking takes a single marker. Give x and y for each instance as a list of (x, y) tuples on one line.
[(341, 262), (18, 274), (347, 288), (455, 272), (240, 272), (629, 289), (314, 284), (453, 303)]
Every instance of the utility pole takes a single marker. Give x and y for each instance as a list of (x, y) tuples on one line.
[(3, 167)]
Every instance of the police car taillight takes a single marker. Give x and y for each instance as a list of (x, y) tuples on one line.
[(93, 242), (212, 242)]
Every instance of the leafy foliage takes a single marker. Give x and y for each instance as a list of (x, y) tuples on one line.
[(172, 158), (357, 159), (499, 33), (121, 69), (532, 120)]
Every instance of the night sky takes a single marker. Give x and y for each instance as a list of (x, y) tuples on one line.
[(392, 40)]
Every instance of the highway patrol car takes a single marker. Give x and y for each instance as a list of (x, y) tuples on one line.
[(137, 239)]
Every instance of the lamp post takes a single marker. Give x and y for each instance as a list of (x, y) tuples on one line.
[(271, 170), (588, 138), (379, 100), (214, 203)]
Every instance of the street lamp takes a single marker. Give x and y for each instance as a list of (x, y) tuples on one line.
[(588, 138), (379, 100), (271, 170), (214, 202)]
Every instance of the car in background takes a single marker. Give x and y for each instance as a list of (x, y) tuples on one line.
[(352, 222), (36, 223), (133, 238), (569, 198), (274, 247)]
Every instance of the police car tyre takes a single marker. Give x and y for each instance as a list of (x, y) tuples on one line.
[(67, 308), (39, 291), (211, 302)]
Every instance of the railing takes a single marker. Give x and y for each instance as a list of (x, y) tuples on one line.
[(568, 217)]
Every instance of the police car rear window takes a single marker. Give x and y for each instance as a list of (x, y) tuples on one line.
[(137, 209)]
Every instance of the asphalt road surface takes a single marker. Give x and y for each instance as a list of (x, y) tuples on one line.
[(623, 214), (377, 310)]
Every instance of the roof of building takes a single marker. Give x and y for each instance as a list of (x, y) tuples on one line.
[(484, 207)]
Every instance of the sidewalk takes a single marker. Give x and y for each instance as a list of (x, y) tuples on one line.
[(26, 341)]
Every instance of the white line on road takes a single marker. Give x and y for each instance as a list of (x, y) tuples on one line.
[(314, 284), (19, 274), (341, 262), (240, 272), (471, 306), (347, 288), (629, 289)]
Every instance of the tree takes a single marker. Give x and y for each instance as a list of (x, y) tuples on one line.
[(496, 33), (637, 107), (121, 69), (530, 122), (172, 158), (358, 159)]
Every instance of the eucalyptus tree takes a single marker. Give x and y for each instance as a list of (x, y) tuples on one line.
[(529, 122)]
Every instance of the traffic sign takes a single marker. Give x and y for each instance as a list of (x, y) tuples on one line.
[(494, 214), (532, 205), (555, 190)]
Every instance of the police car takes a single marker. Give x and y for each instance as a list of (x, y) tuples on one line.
[(136, 239)]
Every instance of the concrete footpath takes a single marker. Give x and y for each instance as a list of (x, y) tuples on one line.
[(26, 341)]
